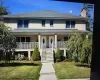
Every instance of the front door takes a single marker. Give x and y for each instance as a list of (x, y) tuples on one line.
[(51, 40), (43, 42)]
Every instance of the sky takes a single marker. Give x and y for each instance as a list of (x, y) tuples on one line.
[(21, 6)]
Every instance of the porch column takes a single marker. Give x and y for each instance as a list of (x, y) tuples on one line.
[(29, 55), (64, 52), (39, 41), (55, 41)]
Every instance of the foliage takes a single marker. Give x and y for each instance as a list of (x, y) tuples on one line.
[(3, 9), (7, 41), (74, 45), (58, 55), (88, 15), (36, 54), (79, 48), (87, 50)]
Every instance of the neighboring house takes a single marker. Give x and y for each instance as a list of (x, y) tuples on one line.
[(47, 29)]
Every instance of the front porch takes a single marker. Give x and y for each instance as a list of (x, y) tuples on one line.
[(47, 42), (42, 41)]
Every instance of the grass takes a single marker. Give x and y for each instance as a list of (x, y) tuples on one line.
[(71, 70), (20, 71)]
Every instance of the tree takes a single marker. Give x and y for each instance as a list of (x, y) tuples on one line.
[(87, 7), (58, 55), (3, 9), (87, 49), (7, 41), (74, 46), (36, 54)]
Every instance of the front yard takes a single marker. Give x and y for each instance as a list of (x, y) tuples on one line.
[(20, 71), (71, 70)]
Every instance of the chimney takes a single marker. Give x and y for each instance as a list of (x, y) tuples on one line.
[(83, 12)]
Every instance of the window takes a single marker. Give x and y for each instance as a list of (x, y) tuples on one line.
[(23, 39), (72, 24), (51, 23), (22, 23), (43, 23), (18, 39), (27, 39), (67, 24), (26, 23)]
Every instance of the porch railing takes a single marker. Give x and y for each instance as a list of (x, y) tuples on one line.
[(61, 44), (26, 45), (31, 45)]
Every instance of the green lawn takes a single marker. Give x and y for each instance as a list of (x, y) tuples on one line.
[(20, 71), (71, 70)]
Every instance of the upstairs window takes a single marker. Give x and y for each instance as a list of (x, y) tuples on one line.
[(51, 23), (22, 23), (70, 24), (43, 23), (26, 23), (67, 24)]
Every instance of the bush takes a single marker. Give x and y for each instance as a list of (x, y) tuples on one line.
[(58, 55), (36, 54)]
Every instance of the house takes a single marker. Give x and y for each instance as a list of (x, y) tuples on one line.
[(46, 28)]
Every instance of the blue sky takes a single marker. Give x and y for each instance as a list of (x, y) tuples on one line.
[(20, 6)]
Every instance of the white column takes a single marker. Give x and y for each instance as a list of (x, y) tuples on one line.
[(29, 55), (39, 41), (65, 52), (55, 41)]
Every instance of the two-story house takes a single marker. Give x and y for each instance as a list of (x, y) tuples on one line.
[(46, 28)]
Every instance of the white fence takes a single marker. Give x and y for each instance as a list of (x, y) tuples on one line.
[(61, 44), (31, 45), (26, 45)]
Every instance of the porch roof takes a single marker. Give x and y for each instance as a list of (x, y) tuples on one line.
[(46, 31)]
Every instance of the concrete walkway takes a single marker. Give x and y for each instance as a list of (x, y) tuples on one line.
[(47, 72)]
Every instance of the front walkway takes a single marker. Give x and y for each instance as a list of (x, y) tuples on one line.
[(47, 72)]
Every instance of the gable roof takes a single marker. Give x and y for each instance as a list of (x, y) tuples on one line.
[(45, 14)]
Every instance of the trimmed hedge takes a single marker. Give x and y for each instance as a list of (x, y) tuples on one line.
[(36, 54), (58, 55)]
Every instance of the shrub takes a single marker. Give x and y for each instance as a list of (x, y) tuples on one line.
[(36, 54), (58, 55)]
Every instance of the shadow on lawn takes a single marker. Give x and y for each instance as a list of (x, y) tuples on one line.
[(18, 64), (83, 65)]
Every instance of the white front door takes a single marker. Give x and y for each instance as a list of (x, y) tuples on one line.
[(51, 40), (43, 41)]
